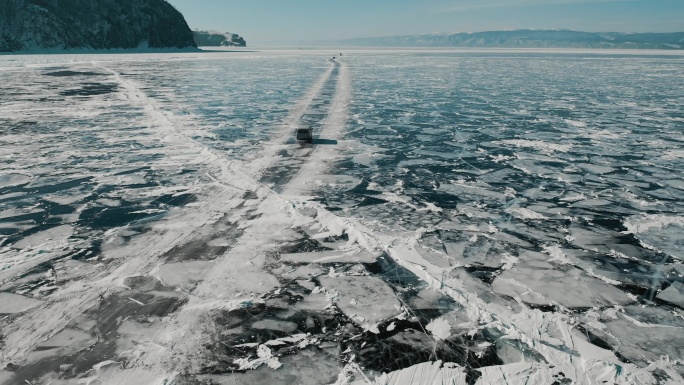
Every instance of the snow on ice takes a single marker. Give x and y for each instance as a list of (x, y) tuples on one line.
[(451, 223)]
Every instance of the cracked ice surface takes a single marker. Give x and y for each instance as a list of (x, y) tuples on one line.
[(562, 194), (463, 217)]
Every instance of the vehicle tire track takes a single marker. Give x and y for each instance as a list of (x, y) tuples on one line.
[(294, 156), (29, 331)]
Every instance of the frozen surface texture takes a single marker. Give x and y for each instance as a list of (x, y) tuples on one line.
[(429, 373), (673, 294), (461, 217), (363, 299), (12, 303)]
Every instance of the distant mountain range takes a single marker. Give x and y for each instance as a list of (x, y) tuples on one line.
[(218, 39), (529, 39), (55, 25)]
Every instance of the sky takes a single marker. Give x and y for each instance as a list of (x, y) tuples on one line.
[(292, 22)]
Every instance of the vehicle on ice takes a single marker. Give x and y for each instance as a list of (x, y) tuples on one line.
[(305, 135)]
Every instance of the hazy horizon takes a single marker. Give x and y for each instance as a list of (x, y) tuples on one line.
[(269, 22)]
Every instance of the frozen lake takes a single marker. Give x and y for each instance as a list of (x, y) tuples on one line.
[(462, 217)]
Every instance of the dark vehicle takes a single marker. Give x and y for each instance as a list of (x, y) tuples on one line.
[(305, 135)]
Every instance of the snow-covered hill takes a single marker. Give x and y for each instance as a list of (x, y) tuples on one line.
[(530, 39), (35, 25), (218, 39)]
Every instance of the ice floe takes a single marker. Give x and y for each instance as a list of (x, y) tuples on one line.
[(674, 294), (12, 303), (428, 373), (374, 301)]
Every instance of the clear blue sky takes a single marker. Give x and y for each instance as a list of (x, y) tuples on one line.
[(282, 22)]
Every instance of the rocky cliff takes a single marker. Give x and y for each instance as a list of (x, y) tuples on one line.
[(38, 25), (218, 39)]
